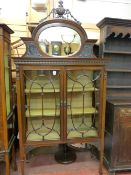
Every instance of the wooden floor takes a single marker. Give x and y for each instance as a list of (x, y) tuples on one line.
[(45, 164)]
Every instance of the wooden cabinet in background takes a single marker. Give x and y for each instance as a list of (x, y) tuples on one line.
[(7, 104), (115, 48), (118, 135)]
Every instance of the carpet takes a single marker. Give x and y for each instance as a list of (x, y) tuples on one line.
[(45, 164)]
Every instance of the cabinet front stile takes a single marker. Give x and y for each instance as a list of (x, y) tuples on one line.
[(102, 114), (5, 144), (20, 123), (62, 107)]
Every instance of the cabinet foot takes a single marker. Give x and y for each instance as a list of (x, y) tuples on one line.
[(65, 155)]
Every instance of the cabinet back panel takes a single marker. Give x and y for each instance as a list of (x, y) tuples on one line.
[(119, 78), (118, 61), (118, 44), (119, 93)]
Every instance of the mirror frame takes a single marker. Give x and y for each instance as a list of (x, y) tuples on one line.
[(59, 23)]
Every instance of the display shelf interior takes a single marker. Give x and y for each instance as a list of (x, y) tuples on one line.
[(92, 132), (51, 129), (54, 112), (36, 137), (54, 136), (76, 89)]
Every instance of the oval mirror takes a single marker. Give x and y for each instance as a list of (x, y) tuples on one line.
[(60, 41)]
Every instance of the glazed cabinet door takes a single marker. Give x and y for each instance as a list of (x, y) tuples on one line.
[(61, 104), (43, 104), (83, 103)]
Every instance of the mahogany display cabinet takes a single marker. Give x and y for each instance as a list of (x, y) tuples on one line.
[(61, 90), (7, 103)]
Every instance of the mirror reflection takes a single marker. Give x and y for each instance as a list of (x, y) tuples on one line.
[(59, 41)]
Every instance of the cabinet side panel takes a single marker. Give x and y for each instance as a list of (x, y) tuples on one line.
[(1, 124), (124, 156), (109, 130), (125, 143), (1, 59)]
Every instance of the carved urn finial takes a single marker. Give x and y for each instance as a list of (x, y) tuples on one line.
[(60, 10)]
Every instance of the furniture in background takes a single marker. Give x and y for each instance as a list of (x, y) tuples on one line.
[(115, 48), (118, 135), (7, 103), (61, 98)]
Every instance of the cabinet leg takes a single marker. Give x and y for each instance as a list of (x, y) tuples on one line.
[(21, 167), (2, 168), (100, 171), (7, 164), (65, 155), (14, 165)]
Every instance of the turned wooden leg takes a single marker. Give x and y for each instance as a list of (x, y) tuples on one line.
[(21, 167), (14, 164)]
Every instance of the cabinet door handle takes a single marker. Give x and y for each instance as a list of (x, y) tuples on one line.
[(59, 104), (64, 104), (68, 105)]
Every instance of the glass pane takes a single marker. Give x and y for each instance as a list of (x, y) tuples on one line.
[(83, 103), (42, 95), (11, 126), (7, 80)]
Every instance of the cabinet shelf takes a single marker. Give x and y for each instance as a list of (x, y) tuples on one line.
[(119, 70), (120, 94), (118, 87), (35, 91), (117, 52), (50, 90), (51, 112)]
